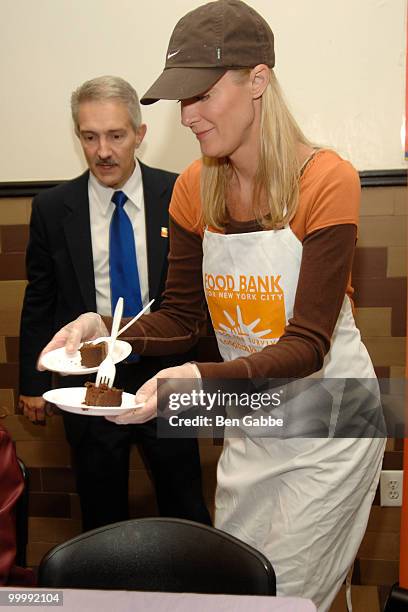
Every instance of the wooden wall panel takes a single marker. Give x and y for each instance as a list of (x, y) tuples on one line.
[(15, 211)]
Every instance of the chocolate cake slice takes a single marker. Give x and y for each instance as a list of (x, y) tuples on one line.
[(92, 355), (102, 395)]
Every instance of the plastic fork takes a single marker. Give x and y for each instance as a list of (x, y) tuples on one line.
[(125, 327), (139, 314), (107, 369)]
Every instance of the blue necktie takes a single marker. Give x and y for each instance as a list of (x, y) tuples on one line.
[(124, 276)]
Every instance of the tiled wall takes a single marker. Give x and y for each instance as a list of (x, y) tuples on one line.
[(380, 282), (380, 279)]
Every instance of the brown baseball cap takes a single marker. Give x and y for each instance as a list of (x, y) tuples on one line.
[(207, 42)]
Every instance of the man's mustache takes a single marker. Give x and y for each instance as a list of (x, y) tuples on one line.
[(106, 162)]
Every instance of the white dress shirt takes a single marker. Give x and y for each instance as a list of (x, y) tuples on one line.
[(101, 209)]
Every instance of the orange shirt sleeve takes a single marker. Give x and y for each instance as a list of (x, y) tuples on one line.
[(329, 195), (185, 206)]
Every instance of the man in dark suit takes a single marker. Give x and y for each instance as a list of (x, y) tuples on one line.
[(68, 271)]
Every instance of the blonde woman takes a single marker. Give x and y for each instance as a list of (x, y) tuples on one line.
[(263, 230)]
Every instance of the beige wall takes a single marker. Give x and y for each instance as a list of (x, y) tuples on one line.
[(341, 63)]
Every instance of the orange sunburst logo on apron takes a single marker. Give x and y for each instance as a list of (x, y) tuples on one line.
[(246, 306)]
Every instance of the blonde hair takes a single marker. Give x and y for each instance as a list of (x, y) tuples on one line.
[(277, 177)]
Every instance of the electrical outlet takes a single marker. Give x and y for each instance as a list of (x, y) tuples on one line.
[(391, 488)]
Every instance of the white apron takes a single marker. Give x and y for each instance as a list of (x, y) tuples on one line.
[(304, 502)]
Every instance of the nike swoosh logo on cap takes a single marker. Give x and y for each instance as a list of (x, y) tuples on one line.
[(169, 55)]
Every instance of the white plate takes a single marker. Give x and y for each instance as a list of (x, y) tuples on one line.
[(59, 361), (71, 400)]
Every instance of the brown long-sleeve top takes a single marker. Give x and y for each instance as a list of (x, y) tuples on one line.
[(325, 223)]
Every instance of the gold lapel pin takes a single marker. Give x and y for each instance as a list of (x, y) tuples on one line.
[(164, 232)]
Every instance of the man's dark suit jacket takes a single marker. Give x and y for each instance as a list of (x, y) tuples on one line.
[(61, 276)]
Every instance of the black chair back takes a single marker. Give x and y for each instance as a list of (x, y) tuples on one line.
[(158, 554)]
